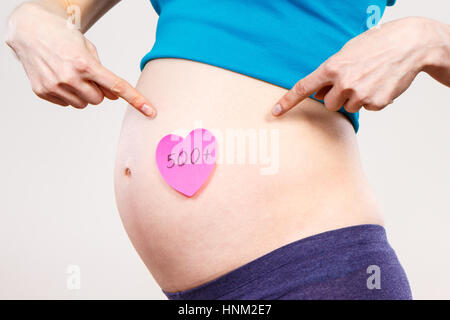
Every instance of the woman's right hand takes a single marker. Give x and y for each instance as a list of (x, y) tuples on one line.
[(62, 65)]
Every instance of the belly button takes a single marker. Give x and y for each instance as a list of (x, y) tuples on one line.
[(127, 172)]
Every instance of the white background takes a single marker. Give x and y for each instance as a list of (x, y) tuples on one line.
[(56, 190)]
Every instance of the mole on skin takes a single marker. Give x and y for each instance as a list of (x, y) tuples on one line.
[(127, 172)]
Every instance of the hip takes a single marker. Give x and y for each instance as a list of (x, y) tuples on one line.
[(352, 263)]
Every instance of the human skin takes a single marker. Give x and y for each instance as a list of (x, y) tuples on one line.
[(376, 67), (317, 185), (62, 65), (240, 214), (369, 72)]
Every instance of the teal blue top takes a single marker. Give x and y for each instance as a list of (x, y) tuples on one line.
[(277, 41)]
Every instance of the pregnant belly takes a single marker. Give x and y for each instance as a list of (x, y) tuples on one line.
[(277, 180)]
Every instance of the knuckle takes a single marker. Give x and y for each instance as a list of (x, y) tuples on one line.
[(331, 107), (348, 85), (70, 79), (50, 86), (373, 105), (331, 69), (352, 107), (38, 90), (359, 97), (341, 87), (380, 104), (97, 99), (81, 105), (137, 101), (299, 89), (81, 64), (119, 87), (329, 104), (284, 102), (348, 108), (368, 103), (387, 100)]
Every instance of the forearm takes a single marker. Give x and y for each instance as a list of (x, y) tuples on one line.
[(437, 57), (90, 10)]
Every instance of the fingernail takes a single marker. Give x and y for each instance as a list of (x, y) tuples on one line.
[(149, 111), (276, 110)]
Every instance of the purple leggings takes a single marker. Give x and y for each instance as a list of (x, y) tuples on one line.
[(350, 263)]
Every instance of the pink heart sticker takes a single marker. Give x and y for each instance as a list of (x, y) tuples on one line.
[(186, 163)]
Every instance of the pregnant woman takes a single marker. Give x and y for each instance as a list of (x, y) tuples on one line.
[(308, 228)]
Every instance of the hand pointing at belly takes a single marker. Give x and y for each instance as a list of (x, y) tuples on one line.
[(376, 67), (62, 65)]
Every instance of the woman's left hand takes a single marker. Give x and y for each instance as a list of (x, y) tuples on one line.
[(376, 67)]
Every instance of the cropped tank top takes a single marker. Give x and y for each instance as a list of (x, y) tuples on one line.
[(279, 42)]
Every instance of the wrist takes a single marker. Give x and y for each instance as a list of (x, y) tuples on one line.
[(37, 8), (25, 16), (434, 42)]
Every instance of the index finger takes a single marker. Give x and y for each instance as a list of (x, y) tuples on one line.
[(122, 89), (301, 90)]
